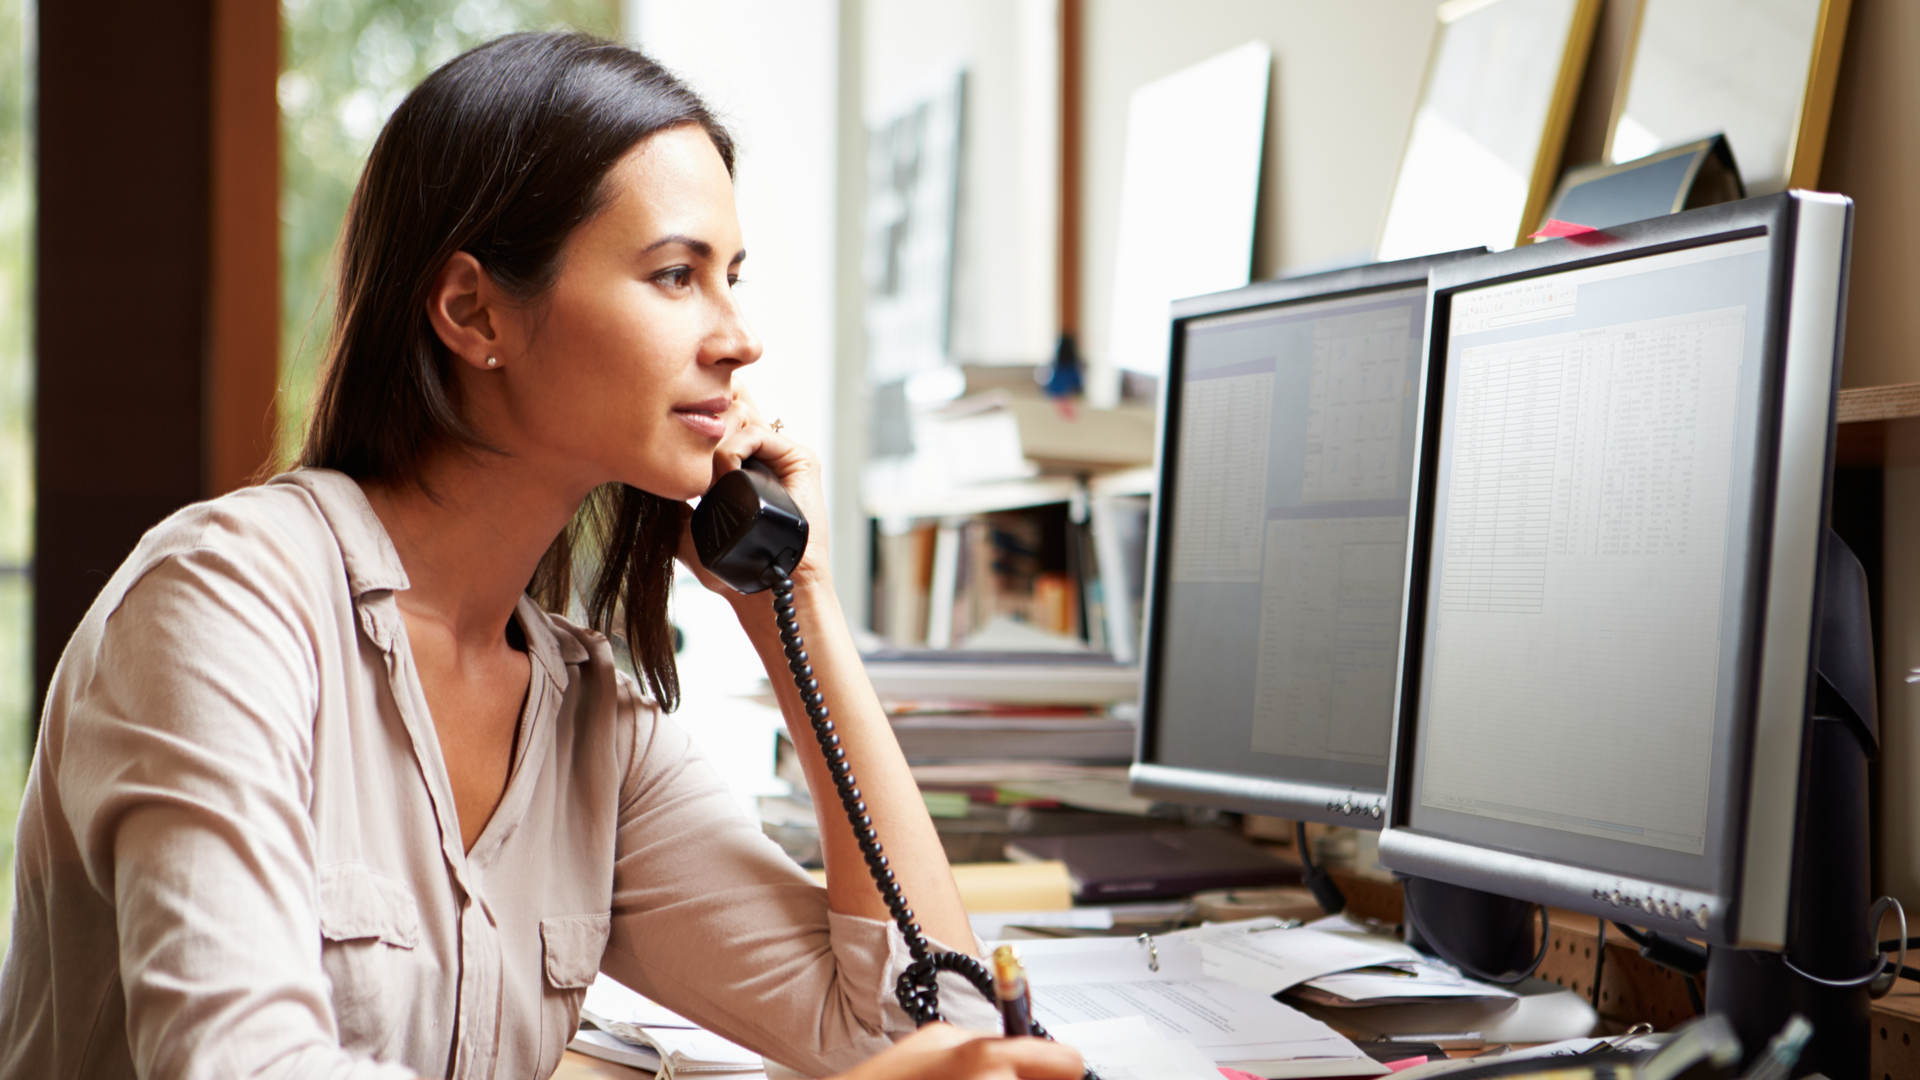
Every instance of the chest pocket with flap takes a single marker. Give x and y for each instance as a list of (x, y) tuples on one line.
[(370, 926), (572, 946), (356, 903)]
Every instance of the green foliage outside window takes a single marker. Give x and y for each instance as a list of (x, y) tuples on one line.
[(346, 65), (16, 426)]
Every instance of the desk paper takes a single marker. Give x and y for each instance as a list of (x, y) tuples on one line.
[(993, 925), (699, 1050), (1123, 1048), (1075, 981), (1257, 955), (610, 1002), (1419, 980)]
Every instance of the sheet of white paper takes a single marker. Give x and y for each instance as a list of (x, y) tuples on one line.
[(1123, 1048), (1344, 923), (994, 925), (1215, 1015), (1104, 960), (1077, 980), (1261, 957), (701, 1049), (1422, 979), (609, 1002)]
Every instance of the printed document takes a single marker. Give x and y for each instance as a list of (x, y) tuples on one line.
[(1074, 981)]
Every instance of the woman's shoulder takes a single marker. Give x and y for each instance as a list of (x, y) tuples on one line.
[(304, 534), (595, 670)]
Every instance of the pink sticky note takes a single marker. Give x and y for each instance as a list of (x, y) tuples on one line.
[(1555, 227), (1236, 1074), (1405, 1063)]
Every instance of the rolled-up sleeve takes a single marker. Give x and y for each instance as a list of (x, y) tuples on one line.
[(185, 780), (712, 918)]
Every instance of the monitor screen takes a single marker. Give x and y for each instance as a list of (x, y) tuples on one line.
[(1587, 608), (1282, 544)]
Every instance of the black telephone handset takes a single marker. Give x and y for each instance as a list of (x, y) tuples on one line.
[(746, 526), (749, 534)]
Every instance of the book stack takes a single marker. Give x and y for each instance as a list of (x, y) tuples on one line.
[(1008, 707)]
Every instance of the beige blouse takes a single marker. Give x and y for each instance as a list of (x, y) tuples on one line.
[(238, 854)]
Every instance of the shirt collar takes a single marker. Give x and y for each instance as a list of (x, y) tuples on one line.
[(552, 646), (373, 565), (372, 562)]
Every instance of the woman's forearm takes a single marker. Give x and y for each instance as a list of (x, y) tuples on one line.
[(893, 799)]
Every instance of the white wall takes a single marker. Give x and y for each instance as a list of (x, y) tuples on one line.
[(1004, 266), (1346, 76), (768, 68)]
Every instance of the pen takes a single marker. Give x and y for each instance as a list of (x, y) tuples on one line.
[(1010, 990)]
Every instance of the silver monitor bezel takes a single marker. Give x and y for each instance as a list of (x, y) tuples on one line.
[(1750, 907), (1363, 808)]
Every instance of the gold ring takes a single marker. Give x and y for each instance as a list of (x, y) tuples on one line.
[(777, 426)]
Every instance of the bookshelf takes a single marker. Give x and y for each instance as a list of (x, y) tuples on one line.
[(1051, 564)]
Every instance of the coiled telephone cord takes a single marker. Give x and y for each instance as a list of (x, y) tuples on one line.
[(917, 989)]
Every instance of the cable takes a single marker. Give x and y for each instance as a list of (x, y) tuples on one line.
[(1677, 955), (1599, 965), (1842, 984), (1898, 964), (1546, 932), (1326, 892), (917, 989)]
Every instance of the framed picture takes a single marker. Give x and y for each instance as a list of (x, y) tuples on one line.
[(1481, 159), (1760, 71), (913, 181)]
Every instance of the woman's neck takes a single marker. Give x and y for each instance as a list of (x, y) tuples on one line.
[(470, 547)]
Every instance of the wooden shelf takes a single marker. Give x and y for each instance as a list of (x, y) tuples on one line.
[(1880, 425), (1900, 401)]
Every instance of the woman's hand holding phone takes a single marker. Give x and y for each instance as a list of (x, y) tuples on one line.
[(750, 435), (945, 1052)]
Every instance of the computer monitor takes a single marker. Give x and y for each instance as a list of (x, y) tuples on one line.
[(1278, 540), (1615, 584)]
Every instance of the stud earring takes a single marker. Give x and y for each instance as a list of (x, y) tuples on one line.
[(493, 361)]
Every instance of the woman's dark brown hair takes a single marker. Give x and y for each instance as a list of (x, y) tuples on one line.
[(501, 154)]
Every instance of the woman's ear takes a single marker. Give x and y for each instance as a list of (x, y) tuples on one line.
[(466, 309)]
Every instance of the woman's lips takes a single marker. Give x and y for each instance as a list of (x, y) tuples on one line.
[(704, 418)]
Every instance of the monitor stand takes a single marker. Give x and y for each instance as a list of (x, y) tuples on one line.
[(1486, 935), (1828, 935)]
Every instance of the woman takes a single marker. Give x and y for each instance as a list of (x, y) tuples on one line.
[(323, 791)]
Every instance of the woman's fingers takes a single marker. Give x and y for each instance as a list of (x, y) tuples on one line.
[(944, 1052), (1022, 1058), (755, 437), (796, 466)]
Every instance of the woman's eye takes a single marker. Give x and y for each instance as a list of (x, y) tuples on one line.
[(678, 277)]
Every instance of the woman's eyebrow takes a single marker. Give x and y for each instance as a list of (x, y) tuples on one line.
[(698, 247)]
